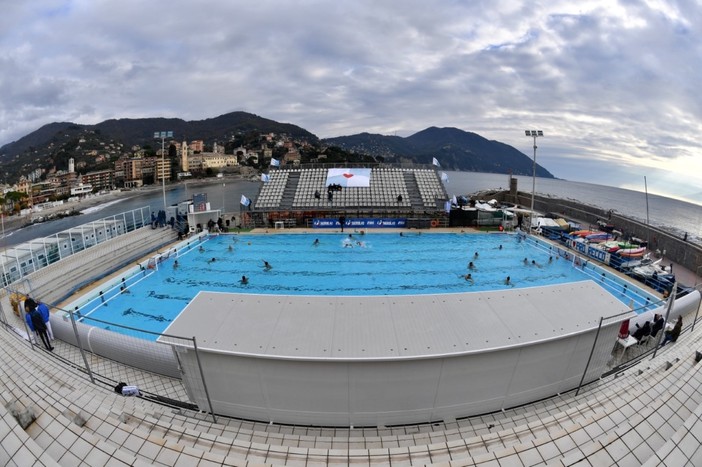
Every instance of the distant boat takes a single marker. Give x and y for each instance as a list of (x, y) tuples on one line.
[(611, 246), (632, 252), (583, 233), (648, 270), (631, 263), (630, 245), (599, 237)]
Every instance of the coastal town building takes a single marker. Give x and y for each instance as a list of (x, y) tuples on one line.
[(62, 178), (130, 171), (208, 160), (197, 145), (200, 161), (162, 169), (23, 185), (100, 179), (184, 161)]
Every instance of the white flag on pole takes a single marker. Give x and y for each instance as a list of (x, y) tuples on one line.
[(245, 201), (265, 178), (435, 161), (444, 177), (275, 162)]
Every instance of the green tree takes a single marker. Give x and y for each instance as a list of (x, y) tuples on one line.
[(15, 198)]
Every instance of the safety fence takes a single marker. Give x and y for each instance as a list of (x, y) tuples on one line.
[(27, 258), (111, 354), (635, 341)]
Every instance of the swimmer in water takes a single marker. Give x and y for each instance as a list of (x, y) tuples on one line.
[(471, 266), (175, 264), (475, 255), (212, 260), (316, 242), (244, 280), (267, 266), (469, 278), (508, 281)]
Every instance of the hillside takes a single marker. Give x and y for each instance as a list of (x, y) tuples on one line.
[(139, 131), (455, 149), (95, 147), (53, 144)]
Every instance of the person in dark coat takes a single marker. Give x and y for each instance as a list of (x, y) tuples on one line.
[(673, 334), (642, 331), (36, 323), (658, 322)]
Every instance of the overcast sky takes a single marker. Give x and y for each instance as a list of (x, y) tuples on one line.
[(613, 85)]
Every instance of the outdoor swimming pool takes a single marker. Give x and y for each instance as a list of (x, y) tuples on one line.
[(339, 264)]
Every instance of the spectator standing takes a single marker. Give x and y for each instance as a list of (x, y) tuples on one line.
[(36, 323), (46, 314)]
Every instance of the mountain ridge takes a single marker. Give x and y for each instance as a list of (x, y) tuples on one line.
[(455, 148)]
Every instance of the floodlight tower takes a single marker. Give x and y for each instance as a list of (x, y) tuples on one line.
[(534, 134)]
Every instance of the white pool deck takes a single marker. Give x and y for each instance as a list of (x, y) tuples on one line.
[(391, 327)]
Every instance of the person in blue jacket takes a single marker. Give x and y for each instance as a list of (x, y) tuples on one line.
[(36, 322), (43, 309)]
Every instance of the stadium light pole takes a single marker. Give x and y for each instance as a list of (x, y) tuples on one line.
[(534, 134), (163, 135)]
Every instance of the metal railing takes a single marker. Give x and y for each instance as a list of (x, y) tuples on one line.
[(24, 259), (116, 355)]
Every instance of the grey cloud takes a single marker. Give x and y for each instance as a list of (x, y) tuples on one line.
[(610, 83)]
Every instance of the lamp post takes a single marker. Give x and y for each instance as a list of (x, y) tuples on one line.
[(534, 134), (163, 135)]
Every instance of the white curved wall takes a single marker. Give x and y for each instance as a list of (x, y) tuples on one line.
[(392, 391), (682, 306)]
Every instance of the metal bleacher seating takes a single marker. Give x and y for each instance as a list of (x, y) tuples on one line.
[(387, 185), (272, 192), (430, 187)]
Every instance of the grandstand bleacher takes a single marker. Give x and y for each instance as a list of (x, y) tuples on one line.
[(390, 188)]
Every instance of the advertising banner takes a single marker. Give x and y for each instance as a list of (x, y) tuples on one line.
[(349, 177), (360, 223)]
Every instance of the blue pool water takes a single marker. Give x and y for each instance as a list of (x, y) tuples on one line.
[(372, 264)]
